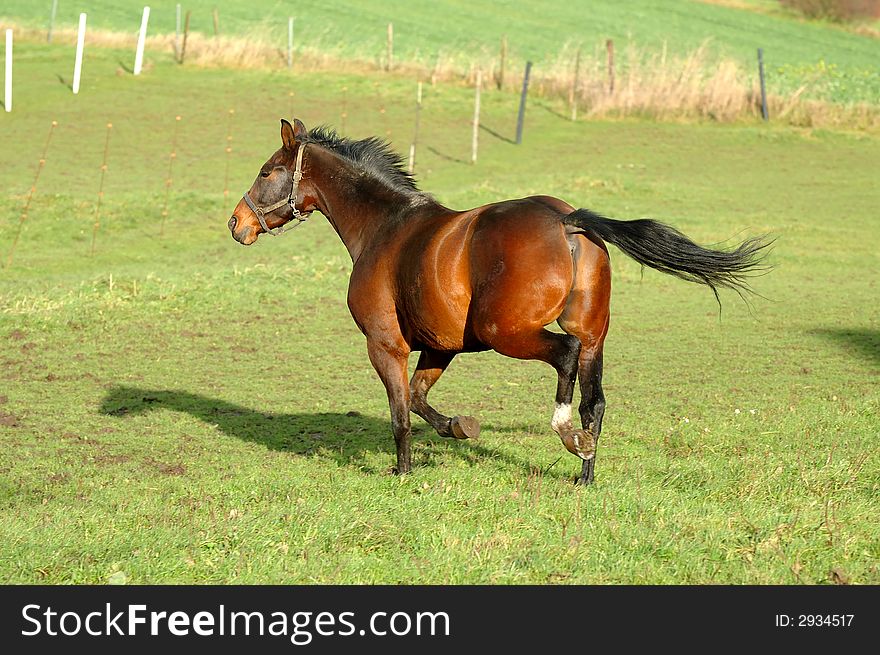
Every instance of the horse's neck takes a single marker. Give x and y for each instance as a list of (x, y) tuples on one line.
[(356, 206)]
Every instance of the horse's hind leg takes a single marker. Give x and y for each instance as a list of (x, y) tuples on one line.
[(561, 352), (592, 407), (431, 365), (586, 317)]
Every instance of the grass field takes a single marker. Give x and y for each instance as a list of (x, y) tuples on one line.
[(837, 65), (178, 408)]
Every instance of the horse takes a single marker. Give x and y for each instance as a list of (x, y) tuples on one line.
[(443, 282)]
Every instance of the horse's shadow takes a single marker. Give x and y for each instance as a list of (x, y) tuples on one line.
[(346, 438), (860, 343)]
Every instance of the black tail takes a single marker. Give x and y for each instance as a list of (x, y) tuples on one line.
[(666, 249)]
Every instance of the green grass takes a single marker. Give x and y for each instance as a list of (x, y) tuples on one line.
[(839, 65), (176, 408)]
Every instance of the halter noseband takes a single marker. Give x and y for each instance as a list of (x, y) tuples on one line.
[(289, 200)]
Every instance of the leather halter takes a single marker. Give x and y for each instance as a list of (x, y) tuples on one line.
[(290, 200)]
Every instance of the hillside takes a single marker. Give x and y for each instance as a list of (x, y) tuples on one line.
[(841, 64)]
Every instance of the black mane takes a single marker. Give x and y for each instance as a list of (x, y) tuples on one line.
[(372, 153)]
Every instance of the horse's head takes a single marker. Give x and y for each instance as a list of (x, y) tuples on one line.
[(278, 195)]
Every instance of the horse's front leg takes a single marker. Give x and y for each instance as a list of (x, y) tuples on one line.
[(389, 360)]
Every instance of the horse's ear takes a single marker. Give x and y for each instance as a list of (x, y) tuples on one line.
[(291, 133)]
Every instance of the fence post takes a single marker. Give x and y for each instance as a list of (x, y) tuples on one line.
[(412, 147), (476, 132), (573, 97), (7, 95), (609, 45), (185, 35), (52, 21), (390, 61), (142, 37), (77, 64), (500, 81), (764, 112), (522, 103), (216, 22), (289, 42), (177, 33)]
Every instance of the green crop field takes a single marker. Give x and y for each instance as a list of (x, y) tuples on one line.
[(179, 408), (837, 65)]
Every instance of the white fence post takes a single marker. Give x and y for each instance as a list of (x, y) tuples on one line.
[(7, 96), (476, 132), (142, 37), (177, 33), (290, 42), (80, 42)]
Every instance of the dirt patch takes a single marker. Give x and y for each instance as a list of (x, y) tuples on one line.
[(16, 335), (165, 469), (4, 400), (108, 459), (9, 420), (58, 478)]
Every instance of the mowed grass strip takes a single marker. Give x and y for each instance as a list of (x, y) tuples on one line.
[(179, 408), (834, 64)]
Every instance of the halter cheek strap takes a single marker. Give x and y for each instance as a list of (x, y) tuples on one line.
[(289, 200)]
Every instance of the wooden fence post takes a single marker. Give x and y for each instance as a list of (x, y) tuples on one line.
[(764, 112), (185, 35), (500, 81), (609, 45)]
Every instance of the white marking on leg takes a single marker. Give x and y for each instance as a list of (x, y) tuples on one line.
[(561, 416)]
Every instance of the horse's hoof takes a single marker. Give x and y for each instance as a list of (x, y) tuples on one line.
[(580, 443), (465, 427)]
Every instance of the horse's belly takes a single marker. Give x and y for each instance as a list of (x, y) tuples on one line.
[(439, 321)]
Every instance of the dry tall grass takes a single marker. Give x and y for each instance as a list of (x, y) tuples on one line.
[(653, 85)]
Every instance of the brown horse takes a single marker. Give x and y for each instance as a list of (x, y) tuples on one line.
[(445, 282)]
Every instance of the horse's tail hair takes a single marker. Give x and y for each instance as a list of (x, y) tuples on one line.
[(664, 248)]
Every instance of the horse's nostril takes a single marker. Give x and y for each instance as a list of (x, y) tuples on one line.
[(232, 222)]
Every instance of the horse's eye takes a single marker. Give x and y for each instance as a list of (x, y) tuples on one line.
[(264, 173)]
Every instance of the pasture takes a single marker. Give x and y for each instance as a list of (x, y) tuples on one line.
[(178, 408)]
